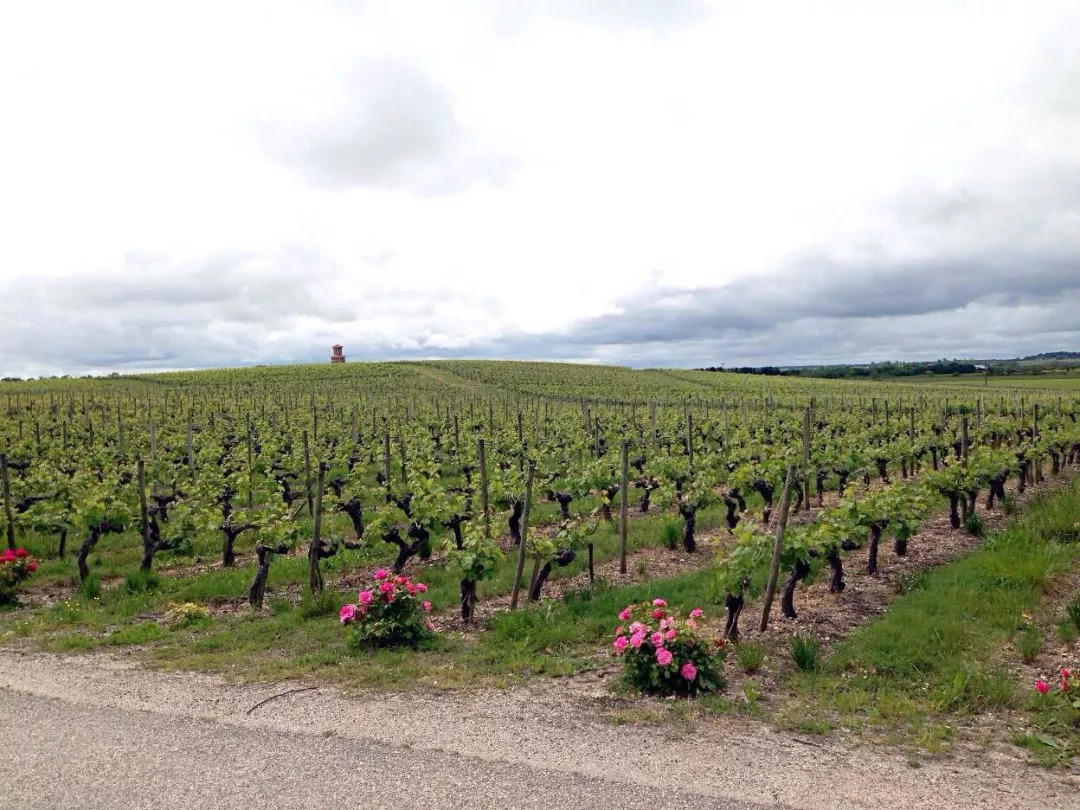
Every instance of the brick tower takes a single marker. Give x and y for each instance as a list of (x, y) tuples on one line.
[(337, 356)]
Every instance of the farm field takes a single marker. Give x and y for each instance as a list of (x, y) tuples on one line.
[(232, 521)]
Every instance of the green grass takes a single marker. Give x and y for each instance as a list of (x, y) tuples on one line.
[(936, 652)]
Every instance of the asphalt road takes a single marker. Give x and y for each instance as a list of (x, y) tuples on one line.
[(60, 755)]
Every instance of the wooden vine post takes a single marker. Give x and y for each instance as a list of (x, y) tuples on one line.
[(315, 580), (144, 517), (520, 567), (778, 547), (250, 494), (690, 439), (964, 440), (624, 486), (9, 518), (307, 475), (386, 463), (189, 447), (1036, 477), (910, 436), (482, 461), (806, 459)]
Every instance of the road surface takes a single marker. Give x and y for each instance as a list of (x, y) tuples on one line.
[(96, 732)]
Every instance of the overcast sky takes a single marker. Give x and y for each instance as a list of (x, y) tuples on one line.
[(649, 182)]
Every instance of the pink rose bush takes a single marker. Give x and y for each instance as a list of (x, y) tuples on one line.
[(15, 566), (389, 612), (663, 654)]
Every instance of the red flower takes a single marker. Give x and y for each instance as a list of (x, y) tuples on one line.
[(32, 567), (21, 552)]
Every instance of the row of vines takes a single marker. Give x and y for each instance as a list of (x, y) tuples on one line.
[(482, 467)]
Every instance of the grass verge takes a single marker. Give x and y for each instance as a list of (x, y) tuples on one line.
[(943, 653)]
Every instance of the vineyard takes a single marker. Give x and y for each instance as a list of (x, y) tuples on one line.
[(226, 518)]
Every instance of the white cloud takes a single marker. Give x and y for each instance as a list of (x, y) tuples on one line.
[(457, 177)]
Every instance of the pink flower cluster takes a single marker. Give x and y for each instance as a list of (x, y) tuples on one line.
[(16, 564), (388, 590), (10, 555), (643, 634), (1068, 682)]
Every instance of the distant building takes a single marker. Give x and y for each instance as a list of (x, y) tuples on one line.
[(980, 368), (337, 356)]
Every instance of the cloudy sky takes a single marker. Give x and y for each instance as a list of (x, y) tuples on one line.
[(648, 182)]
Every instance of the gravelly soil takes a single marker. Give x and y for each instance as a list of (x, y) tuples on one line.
[(98, 731)]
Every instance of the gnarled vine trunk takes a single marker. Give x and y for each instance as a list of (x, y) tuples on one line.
[(688, 511), (257, 588), (563, 556), (84, 551), (876, 527), (799, 572), (514, 523), (836, 580), (734, 605)]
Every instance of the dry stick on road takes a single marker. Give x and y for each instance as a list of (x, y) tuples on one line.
[(778, 546), (280, 694), (520, 567)]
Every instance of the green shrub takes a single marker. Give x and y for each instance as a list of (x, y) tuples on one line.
[(1072, 610), (670, 534), (90, 588), (806, 653), (185, 614), (279, 606), (141, 633), (141, 581), (750, 657), (1029, 643), (974, 524), (324, 604), (973, 691), (1067, 630)]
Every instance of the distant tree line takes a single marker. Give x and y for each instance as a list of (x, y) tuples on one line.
[(873, 370), (768, 371)]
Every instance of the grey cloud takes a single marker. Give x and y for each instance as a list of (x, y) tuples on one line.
[(819, 287), (225, 309), (990, 268), (395, 128)]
